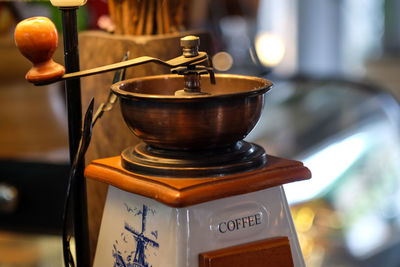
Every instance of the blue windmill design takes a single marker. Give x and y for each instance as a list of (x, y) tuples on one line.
[(142, 242)]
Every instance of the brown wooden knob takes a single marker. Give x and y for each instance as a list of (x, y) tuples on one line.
[(37, 39)]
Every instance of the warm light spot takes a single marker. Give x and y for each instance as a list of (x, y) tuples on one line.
[(269, 48), (222, 61), (68, 3), (304, 219)]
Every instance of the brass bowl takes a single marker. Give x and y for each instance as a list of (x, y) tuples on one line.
[(220, 118)]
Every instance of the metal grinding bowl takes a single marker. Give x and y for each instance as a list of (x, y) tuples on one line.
[(220, 118)]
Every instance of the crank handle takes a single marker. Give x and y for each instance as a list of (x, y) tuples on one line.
[(178, 61), (37, 39)]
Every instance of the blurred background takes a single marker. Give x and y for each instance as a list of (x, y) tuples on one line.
[(336, 69)]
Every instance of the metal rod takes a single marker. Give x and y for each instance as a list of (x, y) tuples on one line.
[(74, 110), (175, 62)]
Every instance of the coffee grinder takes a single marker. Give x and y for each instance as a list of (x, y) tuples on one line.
[(193, 192)]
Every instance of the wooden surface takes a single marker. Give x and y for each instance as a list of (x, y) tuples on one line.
[(22, 250), (110, 134), (272, 252), (182, 192)]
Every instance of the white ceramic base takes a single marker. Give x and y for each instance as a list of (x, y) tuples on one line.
[(138, 231)]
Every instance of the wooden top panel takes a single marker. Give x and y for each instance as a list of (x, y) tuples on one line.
[(181, 192)]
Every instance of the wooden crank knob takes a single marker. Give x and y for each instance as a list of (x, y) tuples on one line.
[(37, 39)]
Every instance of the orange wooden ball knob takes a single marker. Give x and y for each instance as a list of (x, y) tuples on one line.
[(37, 39)]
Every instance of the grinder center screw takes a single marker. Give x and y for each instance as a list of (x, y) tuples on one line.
[(190, 46)]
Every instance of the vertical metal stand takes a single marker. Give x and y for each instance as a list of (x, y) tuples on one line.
[(74, 109)]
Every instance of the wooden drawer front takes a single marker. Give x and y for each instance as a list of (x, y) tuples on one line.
[(268, 252)]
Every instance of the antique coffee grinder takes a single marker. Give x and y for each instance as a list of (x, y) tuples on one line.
[(193, 192)]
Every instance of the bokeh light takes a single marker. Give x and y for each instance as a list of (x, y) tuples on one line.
[(269, 48)]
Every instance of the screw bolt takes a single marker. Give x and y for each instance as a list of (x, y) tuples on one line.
[(190, 45)]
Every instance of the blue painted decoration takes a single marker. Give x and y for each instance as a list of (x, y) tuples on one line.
[(137, 257)]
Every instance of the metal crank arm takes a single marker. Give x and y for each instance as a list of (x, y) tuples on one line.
[(172, 63)]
